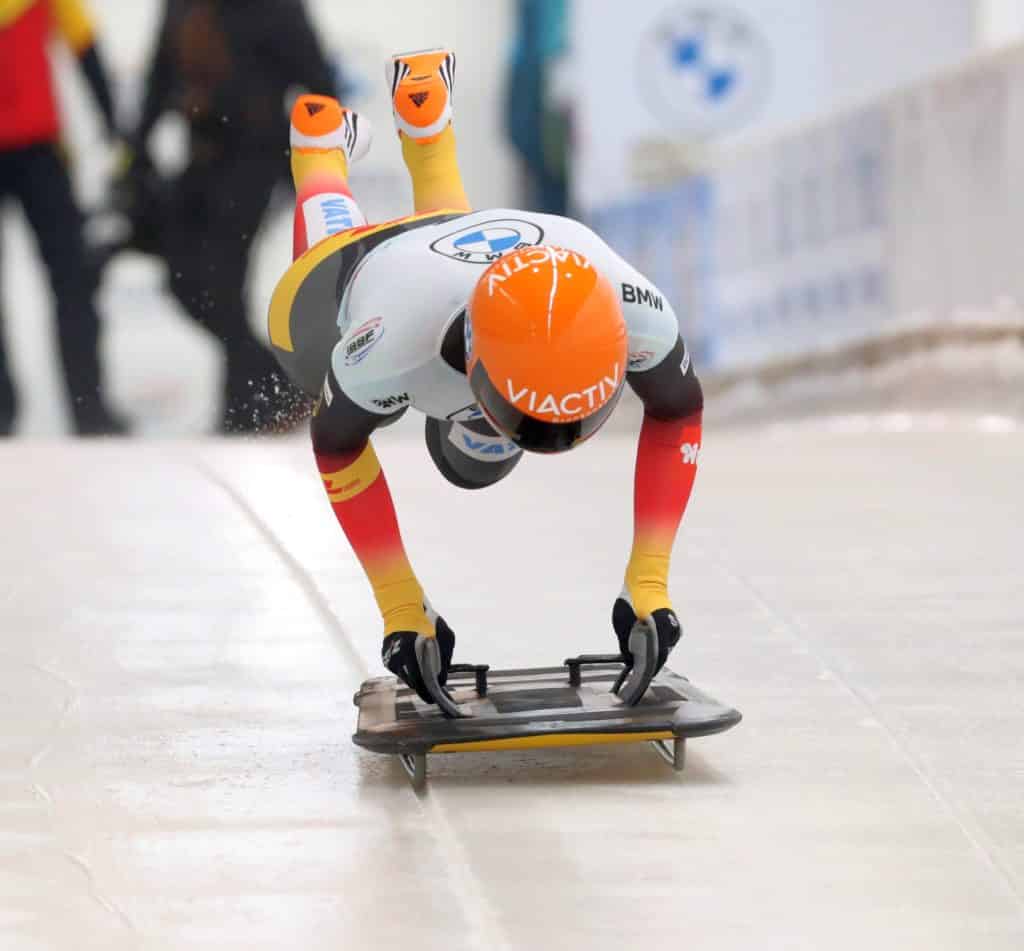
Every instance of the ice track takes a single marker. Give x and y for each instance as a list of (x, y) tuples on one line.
[(183, 628)]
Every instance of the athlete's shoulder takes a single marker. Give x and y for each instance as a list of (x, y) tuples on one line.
[(392, 320), (388, 323)]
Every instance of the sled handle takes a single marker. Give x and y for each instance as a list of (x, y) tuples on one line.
[(575, 664), (479, 672)]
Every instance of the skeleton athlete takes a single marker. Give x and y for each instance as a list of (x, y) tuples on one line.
[(508, 330)]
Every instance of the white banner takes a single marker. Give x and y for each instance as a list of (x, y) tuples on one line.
[(798, 250), (957, 211), (907, 210)]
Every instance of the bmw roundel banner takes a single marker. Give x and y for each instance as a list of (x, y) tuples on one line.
[(655, 73), (703, 69)]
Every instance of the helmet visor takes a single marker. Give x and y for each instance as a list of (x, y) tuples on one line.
[(528, 432)]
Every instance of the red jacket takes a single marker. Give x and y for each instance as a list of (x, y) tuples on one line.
[(28, 100)]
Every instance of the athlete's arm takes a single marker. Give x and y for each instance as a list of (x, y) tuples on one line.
[(666, 463), (670, 390), (76, 27), (362, 503), (661, 374), (666, 466), (418, 643)]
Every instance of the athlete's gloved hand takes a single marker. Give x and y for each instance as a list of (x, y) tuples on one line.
[(422, 662), (645, 644)]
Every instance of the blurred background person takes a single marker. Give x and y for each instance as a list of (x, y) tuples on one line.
[(538, 121), (227, 66), (33, 171)]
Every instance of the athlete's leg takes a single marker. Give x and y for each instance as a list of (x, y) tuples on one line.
[(325, 138), (422, 85)]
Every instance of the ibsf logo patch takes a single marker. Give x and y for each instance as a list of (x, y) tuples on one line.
[(487, 241), (362, 340)]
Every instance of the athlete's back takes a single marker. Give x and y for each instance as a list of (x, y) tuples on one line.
[(400, 302)]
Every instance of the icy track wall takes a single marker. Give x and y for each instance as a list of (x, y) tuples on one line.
[(871, 235)]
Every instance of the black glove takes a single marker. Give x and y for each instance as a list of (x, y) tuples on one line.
[(644, 644), (422, 662)]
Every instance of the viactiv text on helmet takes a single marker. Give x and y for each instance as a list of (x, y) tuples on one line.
[(584, 401)]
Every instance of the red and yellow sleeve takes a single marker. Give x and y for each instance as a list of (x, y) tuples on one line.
[(362, 503), (666, 467), (74, 24)]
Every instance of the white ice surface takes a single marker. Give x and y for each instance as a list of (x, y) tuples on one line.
[(183, 627)]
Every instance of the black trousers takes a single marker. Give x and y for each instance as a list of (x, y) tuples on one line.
[(211, 218), (38, 179)]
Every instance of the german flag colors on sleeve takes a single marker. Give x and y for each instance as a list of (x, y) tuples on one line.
[(666, 467), (362, 503)]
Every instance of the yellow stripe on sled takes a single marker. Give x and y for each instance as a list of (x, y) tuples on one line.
[(279, 318), (550, 740)]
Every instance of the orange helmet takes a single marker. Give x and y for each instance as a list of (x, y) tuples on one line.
[(545, 347)]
